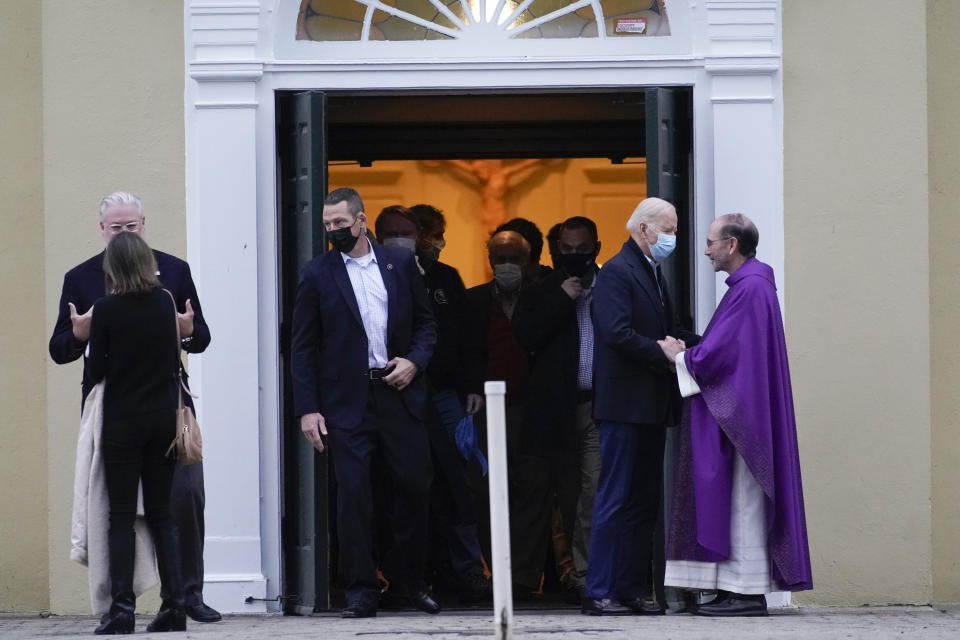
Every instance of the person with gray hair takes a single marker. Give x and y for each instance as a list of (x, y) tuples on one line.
[(635, 397), (122, 212)]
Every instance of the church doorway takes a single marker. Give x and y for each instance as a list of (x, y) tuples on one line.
[(481, 157)]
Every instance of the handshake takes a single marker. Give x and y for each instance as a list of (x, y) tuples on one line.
[(671, 347)]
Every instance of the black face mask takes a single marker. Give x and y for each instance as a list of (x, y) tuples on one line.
[(429, 256), (576, 264), (342, 239)]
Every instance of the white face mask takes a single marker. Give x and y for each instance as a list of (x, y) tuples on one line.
[(507, 276), (402, 243)]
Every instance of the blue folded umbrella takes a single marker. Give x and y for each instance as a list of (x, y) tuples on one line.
[(465, 437)]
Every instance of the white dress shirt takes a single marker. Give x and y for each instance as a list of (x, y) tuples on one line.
[(371, 294)]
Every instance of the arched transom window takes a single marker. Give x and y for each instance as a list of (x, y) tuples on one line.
[(479, 20)]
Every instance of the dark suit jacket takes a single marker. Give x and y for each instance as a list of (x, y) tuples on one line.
[(547, 328), (84, 285), (329, 345), (476, 310), (446, 293), (632, 378)]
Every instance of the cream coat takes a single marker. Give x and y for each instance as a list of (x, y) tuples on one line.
[(91, 514)]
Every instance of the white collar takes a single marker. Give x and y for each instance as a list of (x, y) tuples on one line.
[(363, 260)]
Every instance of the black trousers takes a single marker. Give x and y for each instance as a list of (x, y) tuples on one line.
[(134, 450), (400, 443), (454, 539), (531, 504), (187, 501)]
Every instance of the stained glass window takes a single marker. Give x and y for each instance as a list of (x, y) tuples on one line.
[(397, 20)]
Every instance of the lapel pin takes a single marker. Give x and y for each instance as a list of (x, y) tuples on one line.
[(389, 266)]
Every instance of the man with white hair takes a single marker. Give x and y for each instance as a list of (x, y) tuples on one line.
[(82, 286), (635, 397)]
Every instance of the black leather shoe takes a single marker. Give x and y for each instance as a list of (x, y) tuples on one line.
[(423, 600), (203, 613), (603, 607), (734, 604), (168, 619), (359, 609), (115, 622), (641, 606)]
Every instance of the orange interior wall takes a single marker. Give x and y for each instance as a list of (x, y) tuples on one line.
[(593, 187)]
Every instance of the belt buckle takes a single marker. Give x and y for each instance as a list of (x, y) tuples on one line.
[(375, 374)]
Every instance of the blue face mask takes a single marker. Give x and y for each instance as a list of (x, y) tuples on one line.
[(664, 247)]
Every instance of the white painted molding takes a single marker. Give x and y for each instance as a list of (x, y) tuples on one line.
[(221, 100), (220, 30), (740, 67), (743, 27), (225, 105), (746, 97), (239, 71)]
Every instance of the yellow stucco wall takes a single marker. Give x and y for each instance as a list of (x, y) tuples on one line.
[(23, 460), (113, 119), (943, 92), (858, 317)]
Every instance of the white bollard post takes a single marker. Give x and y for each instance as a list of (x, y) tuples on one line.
[(499, 509)]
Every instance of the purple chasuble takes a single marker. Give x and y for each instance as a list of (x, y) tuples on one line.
[(745, 404)]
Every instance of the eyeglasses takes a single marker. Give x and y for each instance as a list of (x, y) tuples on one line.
[(710, 242), (132, 227)]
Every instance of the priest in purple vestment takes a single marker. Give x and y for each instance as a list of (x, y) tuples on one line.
[(737, 521)]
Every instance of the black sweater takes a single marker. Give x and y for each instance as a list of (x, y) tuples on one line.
[(133, 346)]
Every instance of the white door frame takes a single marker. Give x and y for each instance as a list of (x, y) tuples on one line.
[(731, 56)]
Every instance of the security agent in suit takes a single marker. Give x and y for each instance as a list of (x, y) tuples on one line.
[(635, 398), (554, 325), (82, 287), (362, 334)]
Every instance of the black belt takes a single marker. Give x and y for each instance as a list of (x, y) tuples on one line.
[(584, 395), (377, 374)]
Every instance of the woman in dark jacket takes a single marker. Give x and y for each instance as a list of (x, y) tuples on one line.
[(133, 348)]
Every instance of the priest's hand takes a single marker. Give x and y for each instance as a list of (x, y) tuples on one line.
[(313, 427)]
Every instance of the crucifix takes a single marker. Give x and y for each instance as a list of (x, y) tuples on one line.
[(493, 178)]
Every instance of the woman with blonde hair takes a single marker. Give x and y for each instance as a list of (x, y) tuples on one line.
[(133, 349)]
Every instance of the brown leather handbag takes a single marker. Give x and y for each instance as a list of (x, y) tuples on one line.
[(187, 444)]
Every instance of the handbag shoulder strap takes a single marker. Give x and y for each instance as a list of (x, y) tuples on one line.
[(179, 371), (176, 325)]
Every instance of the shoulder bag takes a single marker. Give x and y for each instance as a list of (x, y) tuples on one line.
[(187, 444)]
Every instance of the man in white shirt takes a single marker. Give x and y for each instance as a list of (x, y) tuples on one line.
[(363, 333)]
